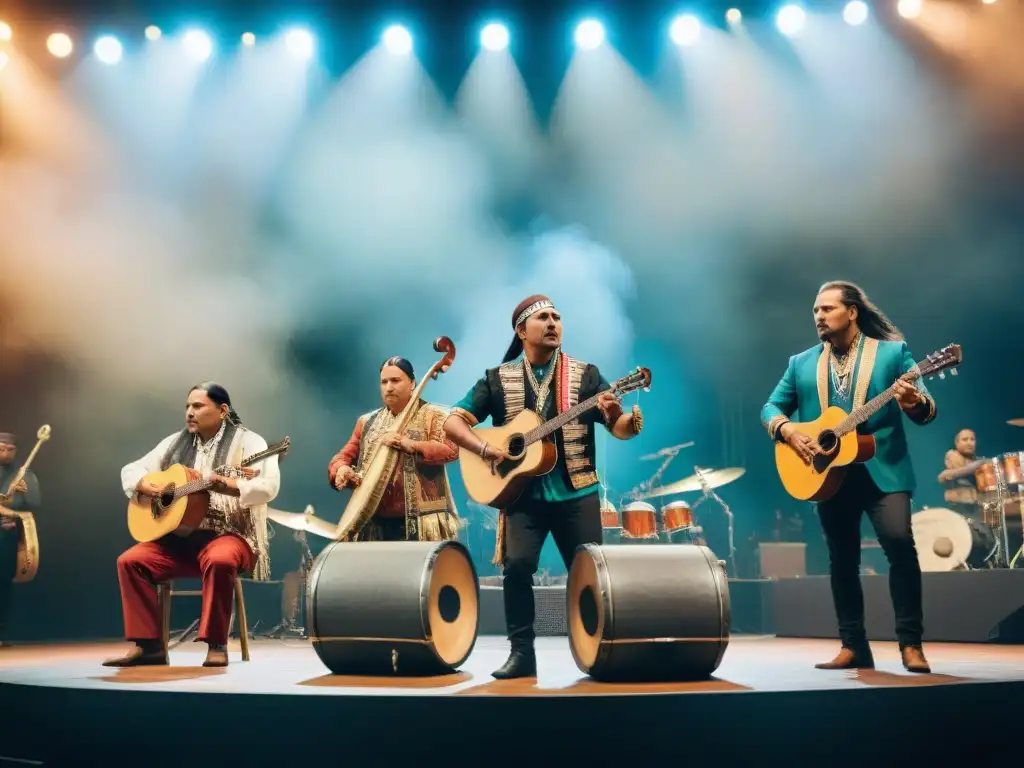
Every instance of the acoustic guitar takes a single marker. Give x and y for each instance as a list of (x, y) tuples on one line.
[(525, 440), (27, 561), (185, 500), (836, 432)]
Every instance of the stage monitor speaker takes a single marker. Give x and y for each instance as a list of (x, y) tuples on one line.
[(648, 613), (393, 608), (782, 559)]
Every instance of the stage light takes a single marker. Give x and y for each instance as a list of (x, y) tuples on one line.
[(300, 43), (989, 2), (198, 45), (59, 45), (790, 20), (398, 40), (855, 12), (733, 16), (589, 34), (494, 37), (248, 38), (909, 9), (685, 30), (108, 50), (6, 33), (153, 33)]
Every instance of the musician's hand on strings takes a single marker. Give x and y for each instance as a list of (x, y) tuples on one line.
[(805, 447), (248, 472), (221, 484), (345, 476), (907, 395), (21, 486), (610, 407), (492, 453), (149, 488), (402, 443)]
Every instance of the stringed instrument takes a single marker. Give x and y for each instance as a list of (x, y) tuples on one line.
[(380, 466), (525, 440), (836, 432), (27, 563), (185, 500)]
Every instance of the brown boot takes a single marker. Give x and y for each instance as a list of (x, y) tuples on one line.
[(217, 656), (914, 660), (849, 659), (142, 655)]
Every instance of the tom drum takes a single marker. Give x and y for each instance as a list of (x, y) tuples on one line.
[(639, 521), (947, 541), (647, 613), (393, 608)]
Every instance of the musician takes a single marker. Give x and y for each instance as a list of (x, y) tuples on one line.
[(537, 375), (961, 492), (427, 513), (25, 497), (862, 354), (232, 538)]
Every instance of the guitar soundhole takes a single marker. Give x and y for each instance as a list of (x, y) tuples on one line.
[(516, 447), (828, 441)]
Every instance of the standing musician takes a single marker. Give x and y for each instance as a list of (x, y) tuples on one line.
[(961, 492), (25, 497), (862, 354), (537, 375), (232, 538), (417, 505)]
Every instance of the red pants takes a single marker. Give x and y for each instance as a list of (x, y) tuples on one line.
[(203, 554)]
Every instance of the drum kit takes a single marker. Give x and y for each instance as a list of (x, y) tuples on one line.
[(949, 541), (637, 521)]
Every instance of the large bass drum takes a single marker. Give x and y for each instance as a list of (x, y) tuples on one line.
[(393, 607), (648, 613), (947, 541)]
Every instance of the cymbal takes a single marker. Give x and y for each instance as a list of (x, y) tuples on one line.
[(1016, 422), (715, 478), (306, 521), (670, 451)]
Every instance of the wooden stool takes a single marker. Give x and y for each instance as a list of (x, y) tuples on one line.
[(164, 593)]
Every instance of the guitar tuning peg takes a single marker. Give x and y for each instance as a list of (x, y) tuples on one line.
[(953, 372)]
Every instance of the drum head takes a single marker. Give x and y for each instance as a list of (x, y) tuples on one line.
[(638, 506), (452, 608), (585, 606), (675, 505), (943, 539)]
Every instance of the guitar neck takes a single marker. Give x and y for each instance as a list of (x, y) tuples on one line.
[(860, 415), (548, 427)]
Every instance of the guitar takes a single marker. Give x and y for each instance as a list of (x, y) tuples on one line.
[(27, 561), (183, 505), (836, 432), (531, 454)]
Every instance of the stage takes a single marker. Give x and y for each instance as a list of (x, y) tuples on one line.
[(62, 708)]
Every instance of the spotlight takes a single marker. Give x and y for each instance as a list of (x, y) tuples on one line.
[(685, 30), (248, 38), (790, 20), (589, 34), (5, 32), (108, 50), (198, 45), (855, 12), (989, 2), (733, 16), (153, 33), (398, 40), (909, 9), (59, 45), (494, 37), (300, 43)]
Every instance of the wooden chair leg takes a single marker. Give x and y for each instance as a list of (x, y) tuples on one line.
[(163, 601), (243, 624)]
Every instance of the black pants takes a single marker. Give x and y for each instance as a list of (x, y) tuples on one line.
[(890, 516), (572, 523), (8, 563)]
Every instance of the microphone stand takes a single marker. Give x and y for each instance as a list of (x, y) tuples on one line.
[(709, 493)]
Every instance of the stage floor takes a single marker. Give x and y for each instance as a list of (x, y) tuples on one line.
[(61, 707), (751, 663)]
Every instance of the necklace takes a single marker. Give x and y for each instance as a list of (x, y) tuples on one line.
[(841, 367), (542, 389)]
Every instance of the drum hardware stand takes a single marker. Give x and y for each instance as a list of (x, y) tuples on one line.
[(647, 485), (288, 628), (709, 493)]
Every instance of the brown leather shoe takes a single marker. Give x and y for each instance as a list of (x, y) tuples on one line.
[(849, 659), (139, 657), (217, 656), (914, 660)]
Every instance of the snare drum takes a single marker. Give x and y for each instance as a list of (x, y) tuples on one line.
[(676, 516), (639, 521), (1011, 470)]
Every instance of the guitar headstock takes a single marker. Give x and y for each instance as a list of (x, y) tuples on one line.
[(639, 379), (937, 362), (280, 448)]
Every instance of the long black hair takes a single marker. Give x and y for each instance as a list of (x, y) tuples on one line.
[(219, 396), (870, 319), (515, 349), (401, 364)]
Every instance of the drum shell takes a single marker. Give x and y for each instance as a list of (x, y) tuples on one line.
[(639, 521), (676, 516), (664, 611), (368, 607)]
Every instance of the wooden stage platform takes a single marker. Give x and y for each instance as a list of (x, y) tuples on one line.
[(60, 707)]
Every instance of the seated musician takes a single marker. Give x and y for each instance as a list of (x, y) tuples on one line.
[(961, 492), (24, 497), (232, 539), (417, 504)]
